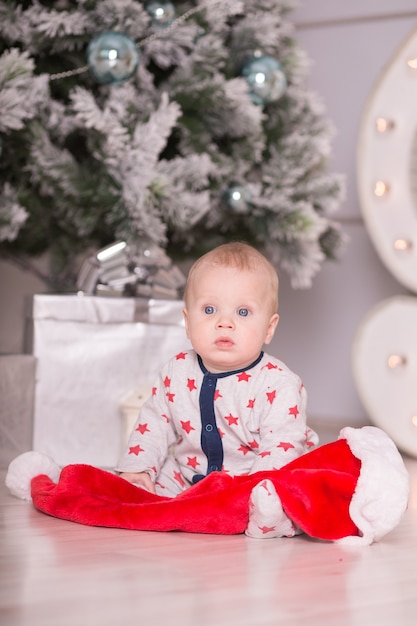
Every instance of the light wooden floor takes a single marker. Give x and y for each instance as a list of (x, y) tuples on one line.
[(56, 573)]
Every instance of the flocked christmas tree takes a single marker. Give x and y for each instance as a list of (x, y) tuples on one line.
[(172, 126)]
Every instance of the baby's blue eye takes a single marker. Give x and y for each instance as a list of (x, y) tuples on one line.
[(243, 312), (209, 310)]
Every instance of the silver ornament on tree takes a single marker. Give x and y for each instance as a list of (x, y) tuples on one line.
[(238, 198), (112, 57), (265, 77), (162, 13)]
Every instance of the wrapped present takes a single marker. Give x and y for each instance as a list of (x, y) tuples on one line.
[(122, 270), (91, 353)]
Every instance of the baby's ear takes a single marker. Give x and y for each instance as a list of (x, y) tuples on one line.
[(273, 323), (185, 314)]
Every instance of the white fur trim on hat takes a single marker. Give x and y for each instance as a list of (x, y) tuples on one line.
[(381, 495), (25, 467)]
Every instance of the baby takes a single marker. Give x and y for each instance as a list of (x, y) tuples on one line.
[(225, 405)]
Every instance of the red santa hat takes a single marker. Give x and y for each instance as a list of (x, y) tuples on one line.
[(354, 490)]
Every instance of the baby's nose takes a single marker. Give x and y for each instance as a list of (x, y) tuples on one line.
[(225, 322)]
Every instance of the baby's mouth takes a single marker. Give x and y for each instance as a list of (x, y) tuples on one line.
[(224, 342)]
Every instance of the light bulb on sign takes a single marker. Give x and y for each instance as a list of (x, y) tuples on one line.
[(402, 245), (383, 125), (396, 360), (381, 188)]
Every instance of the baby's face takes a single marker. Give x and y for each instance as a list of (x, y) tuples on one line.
[(228, 316)]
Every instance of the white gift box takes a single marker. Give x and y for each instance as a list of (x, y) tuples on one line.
[(91, 353)]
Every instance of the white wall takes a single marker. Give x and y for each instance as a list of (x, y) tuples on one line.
[(349, 43)]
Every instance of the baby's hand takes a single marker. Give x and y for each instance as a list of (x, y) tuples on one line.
[(141, 479)]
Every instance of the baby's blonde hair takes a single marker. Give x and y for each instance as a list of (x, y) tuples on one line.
[(241, 256)]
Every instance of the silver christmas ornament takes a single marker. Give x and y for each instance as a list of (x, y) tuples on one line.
[(237, 198), (112, 58), (162, 13), (266, 79)]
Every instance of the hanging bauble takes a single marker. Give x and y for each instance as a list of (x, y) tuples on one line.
[(112, 58), (265, 78), (237, 198), (162, 13)]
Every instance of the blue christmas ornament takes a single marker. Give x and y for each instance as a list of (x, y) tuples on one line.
[(237, 198), (162, 13), (112, 58), (265, 78)]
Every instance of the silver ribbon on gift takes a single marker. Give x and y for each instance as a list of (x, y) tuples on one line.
[(123, 270)]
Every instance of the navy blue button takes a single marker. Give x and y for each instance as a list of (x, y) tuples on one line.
[(210, 382), (209, 428), (214, 468)]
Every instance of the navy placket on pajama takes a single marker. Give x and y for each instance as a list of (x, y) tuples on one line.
[(210, 437), (211, 442)]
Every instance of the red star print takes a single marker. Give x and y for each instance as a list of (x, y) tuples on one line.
[(167, 381), (231, 419), (293, 410), (170, 396), (181, 355), (285, 445), (253, 444), (154, 390), (266, 529), (187, 427), (310, 444), (221, 433), (266, 453), (166, 418), (244, 449), (179, 478), (135, 450), (271, 395), (265, 486), (243, 376), (191, 384), (217, 394), (271, 366), (143, 428), (192, 461), (251, 404)]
